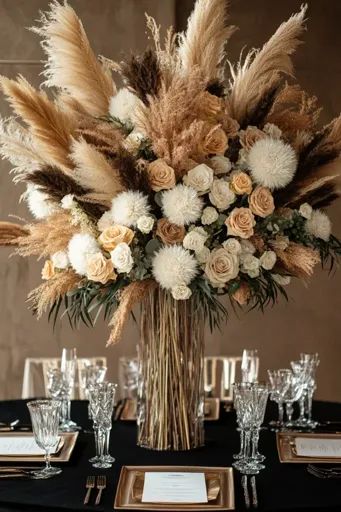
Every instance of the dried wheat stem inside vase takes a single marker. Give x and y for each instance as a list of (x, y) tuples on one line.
[(171, 396)]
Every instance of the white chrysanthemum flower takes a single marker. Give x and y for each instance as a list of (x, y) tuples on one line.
[(60, 259), (145, 223), (221, 164), (174, 266), (105, 221), (181, 205), (200, 178), (233, 246), (68, 201), (121, 258), (128, 207), (203, 255), (306, 210), (38, 202), (209, 215), (268, 260), (281, 280), (124, 104), (80, 247), (247, 247), (181, 292), (194, 240), (319, 225), (250, 265), (272, 162)]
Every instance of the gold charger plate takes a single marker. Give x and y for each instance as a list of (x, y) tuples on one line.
[(212, 410), (287, 450), (219, 482), (63, 455)]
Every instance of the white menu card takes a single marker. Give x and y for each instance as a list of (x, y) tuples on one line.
[(317, 447), (174, 487), (22, 445)]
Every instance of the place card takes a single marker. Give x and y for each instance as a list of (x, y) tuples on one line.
[(317, 447), (22, 445), (174, 487)]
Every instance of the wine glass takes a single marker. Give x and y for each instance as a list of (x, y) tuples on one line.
[(68, 367), (250, 365), (311, 362), (293, 394), (280, 380), (45, 421)]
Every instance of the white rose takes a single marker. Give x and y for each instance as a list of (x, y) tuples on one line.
[(194, 241), (250, 265), (221, 164), (60, 259), (306, 210), (145, 223), (200, 178), (221, 194), (68, 202), (268, 260), (105, 221), (209, 215), (233, 246), (281, 280), (203, 255), (181, 292), (247, 247), (122, 258), (133, 141)]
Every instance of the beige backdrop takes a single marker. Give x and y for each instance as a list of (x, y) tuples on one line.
[(309, 322)]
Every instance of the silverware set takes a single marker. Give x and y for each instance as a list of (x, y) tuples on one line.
[(250, 501), (91, 483), (323, 472)]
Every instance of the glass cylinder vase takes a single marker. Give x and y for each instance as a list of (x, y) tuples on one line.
[(170, 411)]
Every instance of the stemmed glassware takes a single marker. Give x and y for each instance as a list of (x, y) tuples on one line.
[(45, 421), (68, 368), (57, 390), (101, 400), (306, 366), (128, 371), (89, 376), (293, 394), (250, 365), (280, 382)]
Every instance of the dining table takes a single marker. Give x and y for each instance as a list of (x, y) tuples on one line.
[(280, 487)]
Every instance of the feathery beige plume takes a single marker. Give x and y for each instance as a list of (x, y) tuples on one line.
[(93, 170), (262, 69), (50, 126), (17, 146), (9, 233), (203, 44), (72, 64), (298, 260), (45, 295), (131, 295), (104, 136)]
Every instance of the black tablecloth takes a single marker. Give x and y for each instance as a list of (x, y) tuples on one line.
[(281, 487)]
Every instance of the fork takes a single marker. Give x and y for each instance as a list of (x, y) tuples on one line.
[(323, 473), (90, 484), (101, 484)]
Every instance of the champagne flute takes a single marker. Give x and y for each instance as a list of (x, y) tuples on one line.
[(68, 367), (250, 365)]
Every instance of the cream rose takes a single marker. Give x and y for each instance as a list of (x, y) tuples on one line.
[(221, 267), (221, 194), (220, 164), (48, 270), (247, 247), (99, 268), (242, 295), (241, 183), (170, 233), (215, 142), (209, 215), (181, 292), (203, 255), (194, 240), (121, 258), (233, 246), (114, 235), (250, 265), (145, 223), (161, 176), (268, 260), (240, 222), (200, 178), (261, 202)]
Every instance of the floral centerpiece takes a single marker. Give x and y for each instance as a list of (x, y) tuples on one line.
[(193, 181)]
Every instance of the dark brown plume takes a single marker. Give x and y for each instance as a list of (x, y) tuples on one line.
[(55, 183), (142, 74)]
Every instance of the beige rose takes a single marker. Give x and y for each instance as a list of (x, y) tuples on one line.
[(161, 176), (230, 125), (221, 267), (208, 105), (170, 233), (241, 183), (48, 270), (261, 202), (249, 136), (242, 295), (240, 222), (215, 142), (114, 235), (100, 269)]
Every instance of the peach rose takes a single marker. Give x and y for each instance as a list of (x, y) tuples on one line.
[(240, 222), (242, 295), (230, 126), (249, 136), (170, 233), (100, 269), (215, 142), (48, 270), (114, 235), (241, 183), (208, 105), (261, 202), (161, 176), (221, 267)]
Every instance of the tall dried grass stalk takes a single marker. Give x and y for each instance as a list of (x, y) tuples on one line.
[(45, 295), (50, 126), (262, 69), (298, 260), (171, 395), (167, 55), (10, 232), (72, 64), (203, 44), (131, 295)]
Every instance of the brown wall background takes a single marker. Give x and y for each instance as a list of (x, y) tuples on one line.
[(309, 322)]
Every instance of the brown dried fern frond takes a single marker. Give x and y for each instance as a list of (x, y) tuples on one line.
[(10, 232)]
